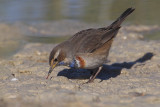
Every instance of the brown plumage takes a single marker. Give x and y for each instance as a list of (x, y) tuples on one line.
[(88, 48)]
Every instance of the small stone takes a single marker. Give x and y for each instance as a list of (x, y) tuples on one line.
[(37, 53), (124, 37), (14, 79)]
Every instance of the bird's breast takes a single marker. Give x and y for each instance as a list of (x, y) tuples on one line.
[(80, 62), (87, 62)]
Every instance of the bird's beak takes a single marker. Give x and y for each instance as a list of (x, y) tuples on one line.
[(51, 69)]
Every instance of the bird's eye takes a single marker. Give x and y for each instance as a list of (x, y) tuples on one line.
[(55, 60)]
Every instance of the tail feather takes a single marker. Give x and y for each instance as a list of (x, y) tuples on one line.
[(118, 22)]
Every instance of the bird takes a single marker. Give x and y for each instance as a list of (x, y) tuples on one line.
[(87, 49)]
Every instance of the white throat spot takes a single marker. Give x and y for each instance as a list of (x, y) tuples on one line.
[(78, 63)]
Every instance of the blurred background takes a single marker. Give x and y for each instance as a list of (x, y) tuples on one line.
[(91, 11), (52, 21)]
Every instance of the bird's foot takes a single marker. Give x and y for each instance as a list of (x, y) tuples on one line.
[(89, 81)]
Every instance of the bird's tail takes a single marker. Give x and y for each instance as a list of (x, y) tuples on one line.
[(118, 22)]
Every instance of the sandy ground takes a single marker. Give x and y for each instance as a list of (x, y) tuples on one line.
[(131, 78)]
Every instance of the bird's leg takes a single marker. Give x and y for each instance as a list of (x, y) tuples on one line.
[(94, 74)]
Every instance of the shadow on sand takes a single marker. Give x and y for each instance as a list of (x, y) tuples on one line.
[(108, 71)]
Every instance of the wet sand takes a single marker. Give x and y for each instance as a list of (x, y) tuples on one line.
[(130, 78)]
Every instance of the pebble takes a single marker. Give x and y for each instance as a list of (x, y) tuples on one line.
[(14, 79)]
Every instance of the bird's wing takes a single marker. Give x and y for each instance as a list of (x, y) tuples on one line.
[(84, 40), (87, 41), (91, 39), (106, 40)]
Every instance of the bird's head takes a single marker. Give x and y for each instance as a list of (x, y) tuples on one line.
[(56, 57)]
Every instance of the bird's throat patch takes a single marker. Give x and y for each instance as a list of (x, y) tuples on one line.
[(81, 61)]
